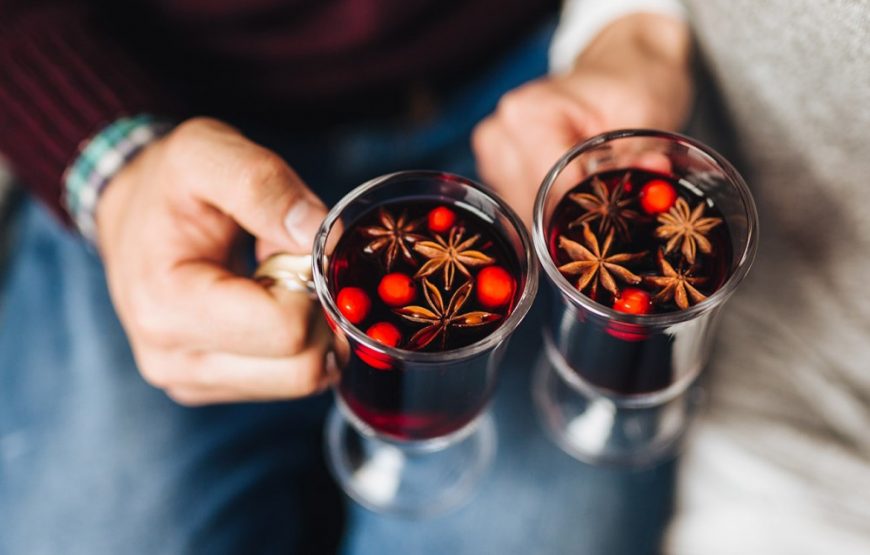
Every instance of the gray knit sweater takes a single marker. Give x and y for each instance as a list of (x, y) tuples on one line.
[(781, 462)]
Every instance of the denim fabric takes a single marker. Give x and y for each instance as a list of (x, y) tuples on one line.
[(94, 461)]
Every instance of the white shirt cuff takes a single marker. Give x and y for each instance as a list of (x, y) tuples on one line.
[(582, 20)]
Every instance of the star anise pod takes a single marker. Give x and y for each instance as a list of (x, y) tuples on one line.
[(590, 261), (608, 208), (450, 255), (678, 285), (682, 223), (393, 237), (439, 319)]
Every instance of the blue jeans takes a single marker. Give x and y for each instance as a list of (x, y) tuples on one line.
[(94, 461)]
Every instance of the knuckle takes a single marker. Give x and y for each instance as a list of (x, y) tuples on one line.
[(149, 323), (514, 105), (185, 139), (522, 105), (262, 167), (195, 126), (481, 136), (179, 145), (185, 397), (155, 374), (259, 174), (201, 372)]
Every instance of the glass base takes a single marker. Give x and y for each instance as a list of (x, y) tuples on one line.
[(411, 479), (600, 429)]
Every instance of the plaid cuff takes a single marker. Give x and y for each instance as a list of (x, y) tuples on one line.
[(99, 160)]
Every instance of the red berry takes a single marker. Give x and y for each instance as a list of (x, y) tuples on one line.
[(397, 289), (441, 219), (495, 287), (657, 196), (385, 333), (354, 303), (627, 332), (379, 361), (633, 301)]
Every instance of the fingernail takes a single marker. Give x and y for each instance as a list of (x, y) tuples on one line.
[(302, 221)]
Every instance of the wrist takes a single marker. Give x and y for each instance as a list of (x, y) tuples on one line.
[(117, 196), (650, 54), (640, 39), (101, 159)]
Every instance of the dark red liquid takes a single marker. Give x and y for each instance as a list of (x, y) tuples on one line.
[(713, 268), (415, 401), (622, 357)]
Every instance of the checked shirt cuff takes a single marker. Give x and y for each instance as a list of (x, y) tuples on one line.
[(100, 159)]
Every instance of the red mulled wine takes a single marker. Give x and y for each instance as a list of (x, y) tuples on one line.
[(420, 276), (641, 243)]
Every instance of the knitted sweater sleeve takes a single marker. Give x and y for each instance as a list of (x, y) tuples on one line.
[(62, 79)]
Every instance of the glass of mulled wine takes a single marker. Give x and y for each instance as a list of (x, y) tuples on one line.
[(642, 235), (423, 277)]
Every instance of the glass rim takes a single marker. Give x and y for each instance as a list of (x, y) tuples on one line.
[(746, 257), (523, 304)]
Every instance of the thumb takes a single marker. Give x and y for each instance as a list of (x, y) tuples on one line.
[(302, 219), (271, 202)]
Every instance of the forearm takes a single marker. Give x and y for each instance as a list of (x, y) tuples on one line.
[(584, 20), (62, 80), (653, 38), (654, 53)]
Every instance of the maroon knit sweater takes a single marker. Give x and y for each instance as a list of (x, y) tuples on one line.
[(67, 68)]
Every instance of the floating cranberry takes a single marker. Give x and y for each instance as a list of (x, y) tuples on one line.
[(385, 333), (441, 219), (376, 360), (657, 196), (627, 332), (354, 303), (633, 301), (397, 289), (495, 287)]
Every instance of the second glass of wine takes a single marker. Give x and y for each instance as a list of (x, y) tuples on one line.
[(423, 277), (643, 236)]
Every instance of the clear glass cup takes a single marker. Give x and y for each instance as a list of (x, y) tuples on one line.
[(593, 354), (410, 433)]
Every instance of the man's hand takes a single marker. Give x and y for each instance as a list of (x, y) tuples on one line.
[(634, 74), (166, 227)]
